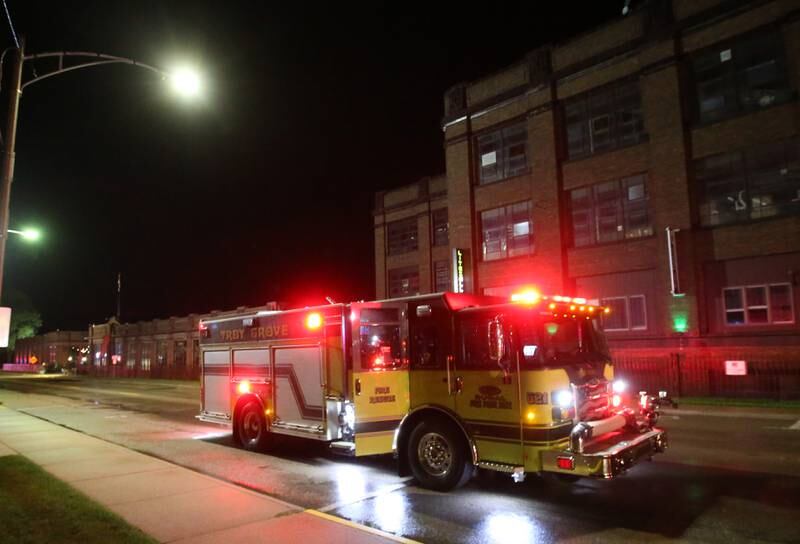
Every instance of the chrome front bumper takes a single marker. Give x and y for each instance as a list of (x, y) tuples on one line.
[(607, 456)]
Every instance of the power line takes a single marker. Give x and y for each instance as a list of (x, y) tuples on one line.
[(11, 24)]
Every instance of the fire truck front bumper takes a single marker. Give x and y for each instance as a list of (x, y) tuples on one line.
[(607, 456)]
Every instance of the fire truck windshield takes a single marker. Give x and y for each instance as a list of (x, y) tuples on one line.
[(551, 340)]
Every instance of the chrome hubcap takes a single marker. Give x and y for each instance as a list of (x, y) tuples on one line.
[(434, 454)]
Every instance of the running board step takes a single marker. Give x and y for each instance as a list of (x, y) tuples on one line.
[(343, 448), (517, 473)]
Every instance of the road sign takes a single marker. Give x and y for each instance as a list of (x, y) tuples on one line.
[(5, 325), (736, 368)]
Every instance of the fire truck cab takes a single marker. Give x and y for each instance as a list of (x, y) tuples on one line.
[(447, 382)]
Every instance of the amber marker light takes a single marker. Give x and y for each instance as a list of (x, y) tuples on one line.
[(552, 306), (313, 321), (607, 311)]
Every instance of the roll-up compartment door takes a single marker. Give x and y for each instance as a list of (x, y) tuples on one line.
[(217, 383)]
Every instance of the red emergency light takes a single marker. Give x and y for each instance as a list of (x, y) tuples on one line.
[(565, 463)]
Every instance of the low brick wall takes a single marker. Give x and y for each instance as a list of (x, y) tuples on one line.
[(8, 367)]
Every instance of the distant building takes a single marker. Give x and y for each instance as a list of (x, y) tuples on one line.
[(652, 163), (52, 348), (160, 348)]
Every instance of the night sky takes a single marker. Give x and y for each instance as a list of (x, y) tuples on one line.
[(263, 190)]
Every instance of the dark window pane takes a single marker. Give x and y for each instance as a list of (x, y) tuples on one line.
[(507, 231), (404, 281), (745, 76), (440, 228), (722, 186), (733, 299), (618, 318), (604, 119), (503, 153), (402, 236), (735, 317), (780, 303), (441, 271), (638, 313)]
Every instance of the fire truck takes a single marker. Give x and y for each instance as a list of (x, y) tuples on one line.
[(448, 383)]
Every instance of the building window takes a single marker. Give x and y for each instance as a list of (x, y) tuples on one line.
[(758, 304), (503, 153), (604, 119), (402, 236), (403, 281), (179, 357), (441, 276), (146, 355), (759, 182), (627, 313), (610, 211), (441, 227), (130, 357), (507, 231), (161, 352), (747, 75)]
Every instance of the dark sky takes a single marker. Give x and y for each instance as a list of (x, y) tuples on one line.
[(264, 189)]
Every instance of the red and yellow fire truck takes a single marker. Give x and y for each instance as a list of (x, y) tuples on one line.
[(447, 382)]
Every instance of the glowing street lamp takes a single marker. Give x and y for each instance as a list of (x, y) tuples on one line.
[(184, 81), (32, 235)]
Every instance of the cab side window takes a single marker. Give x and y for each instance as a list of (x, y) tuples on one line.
[(430, 340), (475, 343), (379, 329)]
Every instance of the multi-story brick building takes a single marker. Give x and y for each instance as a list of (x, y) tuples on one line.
[(573, 169)]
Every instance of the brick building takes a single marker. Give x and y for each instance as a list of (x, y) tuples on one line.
[(52, 348), (159, 348), (652, 163)]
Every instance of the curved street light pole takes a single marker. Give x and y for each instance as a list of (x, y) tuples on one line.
[(88, 59)]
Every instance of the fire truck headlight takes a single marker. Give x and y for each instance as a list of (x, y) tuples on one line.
[(619, 386), (564, 399), (349, 416)]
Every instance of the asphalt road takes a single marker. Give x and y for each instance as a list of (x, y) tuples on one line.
[(730, 477)]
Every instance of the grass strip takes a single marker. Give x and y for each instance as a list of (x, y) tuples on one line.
[(755, 403), (36, 508)]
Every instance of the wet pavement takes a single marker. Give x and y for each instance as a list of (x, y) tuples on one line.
[(724, 479)]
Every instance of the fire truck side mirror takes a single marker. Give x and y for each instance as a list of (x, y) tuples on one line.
[(496, 339)]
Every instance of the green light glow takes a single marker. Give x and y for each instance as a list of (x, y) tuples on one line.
[(680, 323), (551, 328)]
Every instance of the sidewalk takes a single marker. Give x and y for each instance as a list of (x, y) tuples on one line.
[(168, 502)]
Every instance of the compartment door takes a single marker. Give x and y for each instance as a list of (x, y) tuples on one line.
[(298, 386), (380, 373), (217, 383)]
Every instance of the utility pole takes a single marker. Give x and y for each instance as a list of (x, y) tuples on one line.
[(119, 297), (10, 139)]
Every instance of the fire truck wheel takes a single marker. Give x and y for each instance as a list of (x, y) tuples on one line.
[(438, 456), (251, 427)]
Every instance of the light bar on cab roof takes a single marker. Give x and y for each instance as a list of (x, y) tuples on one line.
[(576, 304)]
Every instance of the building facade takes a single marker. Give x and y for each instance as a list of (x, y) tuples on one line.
[(57, 348), (653, 164), (159, 348)]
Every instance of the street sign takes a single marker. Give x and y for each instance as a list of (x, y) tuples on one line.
[(5, 325), (736, 368)]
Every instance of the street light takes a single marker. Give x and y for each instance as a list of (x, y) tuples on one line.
[(184, 81), (31, 235)]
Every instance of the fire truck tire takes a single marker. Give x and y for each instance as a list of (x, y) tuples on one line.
[(251, 427), (438, 456)]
